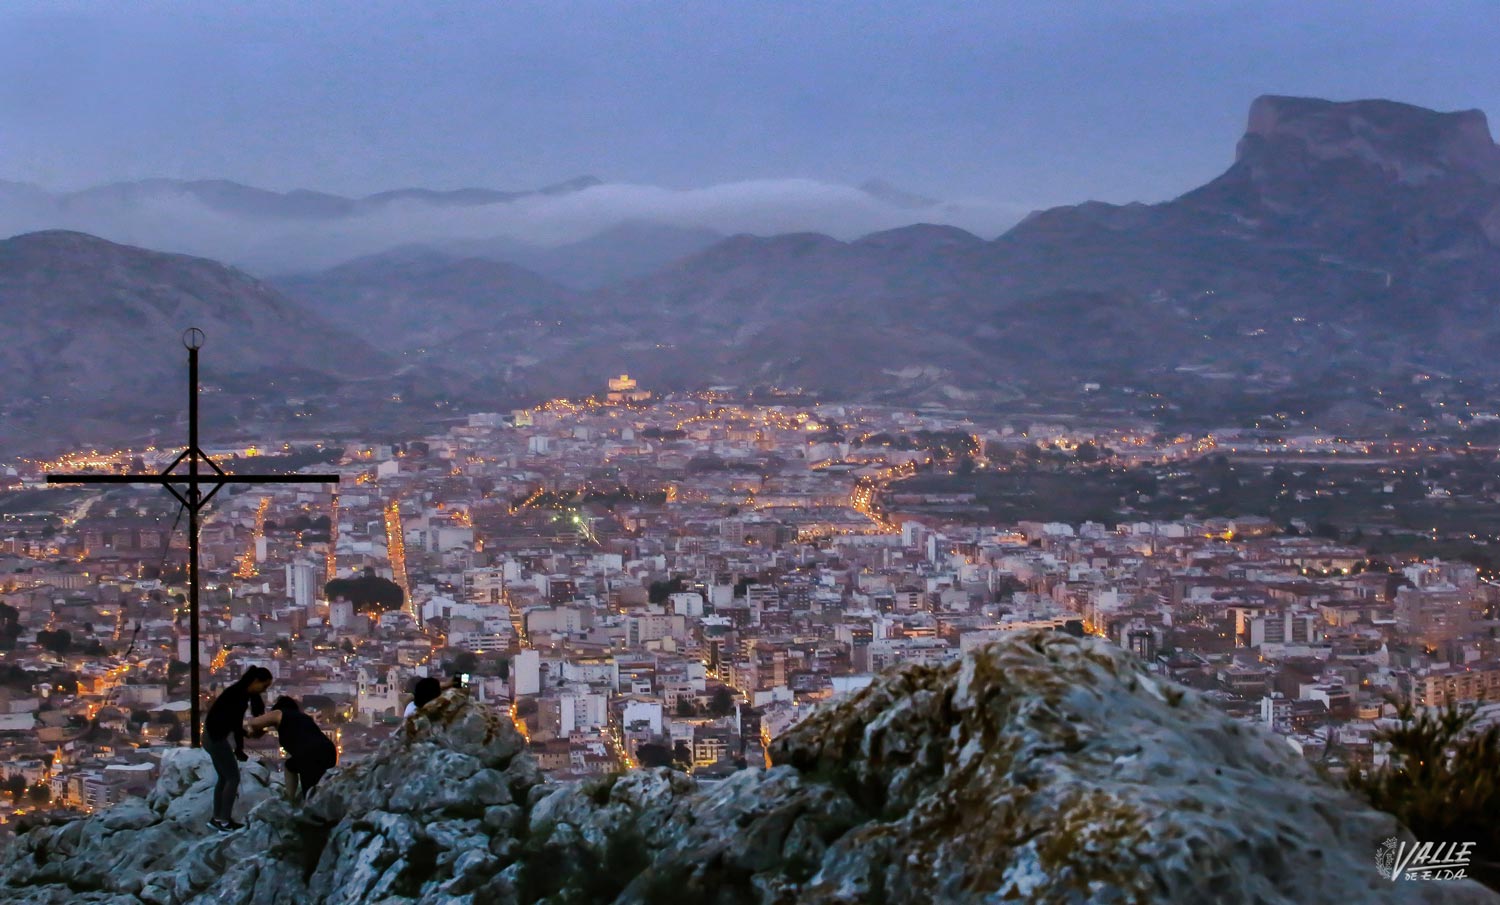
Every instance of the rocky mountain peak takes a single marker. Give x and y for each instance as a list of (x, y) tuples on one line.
[(1041, 768), (1410, 143)]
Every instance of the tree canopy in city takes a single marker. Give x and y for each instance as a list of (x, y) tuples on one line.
[(659, 591), (369, 592), (722, 702), (653, 755), (58, 641)]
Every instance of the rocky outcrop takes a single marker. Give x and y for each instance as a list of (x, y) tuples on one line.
[(1040, 769), (155, 849), (1411, 143)]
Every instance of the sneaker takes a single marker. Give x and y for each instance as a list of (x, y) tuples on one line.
[(233, 825), (219, 825)]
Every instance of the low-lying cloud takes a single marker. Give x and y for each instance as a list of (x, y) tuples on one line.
[(171, 218)]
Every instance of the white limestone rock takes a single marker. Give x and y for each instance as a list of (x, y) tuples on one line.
[(1040, 769), (120, 851)]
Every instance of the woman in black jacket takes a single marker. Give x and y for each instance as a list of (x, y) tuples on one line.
[(309, 752), (226, 717)]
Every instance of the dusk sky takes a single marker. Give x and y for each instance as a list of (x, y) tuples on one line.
[(1021, 102)]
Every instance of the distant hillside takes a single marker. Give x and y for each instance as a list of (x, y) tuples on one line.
[(413, 297), (469, 329), (803, 310), (94, 327), (1346, 238)]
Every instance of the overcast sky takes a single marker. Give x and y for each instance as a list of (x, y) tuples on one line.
[(1012, 101)]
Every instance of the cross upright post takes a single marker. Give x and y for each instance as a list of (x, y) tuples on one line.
[(193, 499)]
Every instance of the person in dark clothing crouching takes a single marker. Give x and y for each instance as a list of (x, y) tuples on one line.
[(309, 752), (226, 718)]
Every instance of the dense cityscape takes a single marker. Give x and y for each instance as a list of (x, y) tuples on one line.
[(678, 581)]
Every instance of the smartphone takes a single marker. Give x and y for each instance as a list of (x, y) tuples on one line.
[(464, 680)]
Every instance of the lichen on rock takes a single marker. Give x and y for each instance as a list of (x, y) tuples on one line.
[(1041, 768)]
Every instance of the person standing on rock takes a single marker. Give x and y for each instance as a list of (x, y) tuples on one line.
[(309, 751), (226, 718)]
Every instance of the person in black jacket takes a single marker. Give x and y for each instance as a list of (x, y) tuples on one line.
[(226, 718), (309, 752), (425, 690)]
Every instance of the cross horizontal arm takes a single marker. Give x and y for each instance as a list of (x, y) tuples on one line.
[(192, 479)]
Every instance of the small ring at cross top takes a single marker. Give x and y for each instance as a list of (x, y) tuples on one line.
[(192, 337)]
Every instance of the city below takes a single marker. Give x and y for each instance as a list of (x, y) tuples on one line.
[(677, 580)]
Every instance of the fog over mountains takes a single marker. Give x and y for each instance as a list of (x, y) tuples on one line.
[(1346, 241), (267, 232)]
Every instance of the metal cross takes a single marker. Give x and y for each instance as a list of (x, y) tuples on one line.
[(192, 496)]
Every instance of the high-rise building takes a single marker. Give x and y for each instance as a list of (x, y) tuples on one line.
[(301, 583), (525, 672), (1436, 613)]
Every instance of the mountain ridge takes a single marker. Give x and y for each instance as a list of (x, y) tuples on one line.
[(416, 296), (93, 323), (1346, 243), (1356, 235)]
